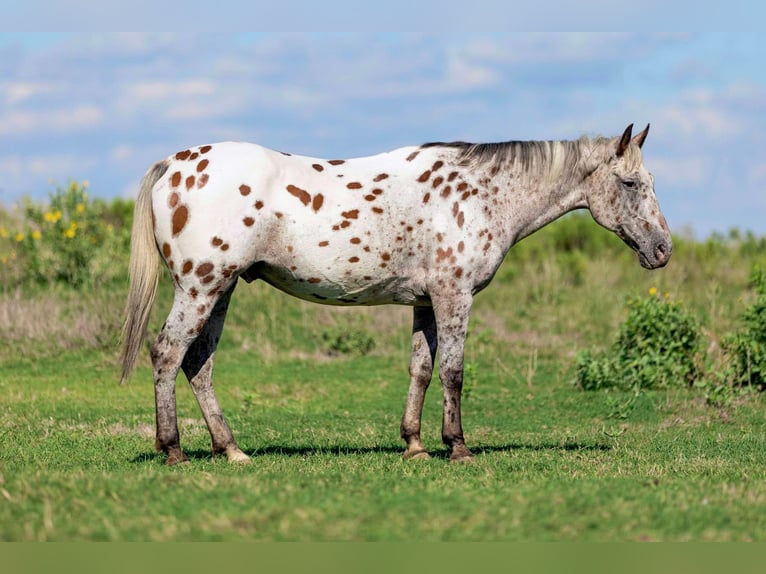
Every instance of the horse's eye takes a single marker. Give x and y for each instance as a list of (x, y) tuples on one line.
[(629, 183)]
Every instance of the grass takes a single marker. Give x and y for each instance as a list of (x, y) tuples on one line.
[(77, 460)]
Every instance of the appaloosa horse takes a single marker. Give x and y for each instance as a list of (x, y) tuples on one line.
[(425, 226)]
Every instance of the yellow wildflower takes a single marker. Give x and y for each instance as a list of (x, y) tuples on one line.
[(19, 237), (653, 291), (52, 216), (667, 294), (3, 232), (35, 234), (69, 233), (80, 208)]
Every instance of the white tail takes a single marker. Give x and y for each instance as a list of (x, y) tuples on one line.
[(144, 272)]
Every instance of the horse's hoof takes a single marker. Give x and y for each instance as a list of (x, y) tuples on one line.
[(176, 457), (237, 456), (419, 454), (461, 454)]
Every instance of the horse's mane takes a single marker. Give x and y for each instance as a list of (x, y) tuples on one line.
[(552, 158)]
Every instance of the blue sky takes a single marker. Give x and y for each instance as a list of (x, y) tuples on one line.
[(102, 108)]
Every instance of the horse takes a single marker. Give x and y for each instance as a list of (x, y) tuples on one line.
[(425, 226)]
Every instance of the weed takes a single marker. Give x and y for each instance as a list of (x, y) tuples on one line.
[(347, 340), (657, 346), (747, 347), (61, 242)]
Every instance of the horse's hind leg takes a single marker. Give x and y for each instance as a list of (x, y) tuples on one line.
[(198, 368), (167, 352), (421, 369)]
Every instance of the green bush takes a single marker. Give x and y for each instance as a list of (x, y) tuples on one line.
[(747, 347), (657, 347), (71, 239)]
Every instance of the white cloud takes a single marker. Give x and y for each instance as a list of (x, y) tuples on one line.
[(21, 91), (44, 121)]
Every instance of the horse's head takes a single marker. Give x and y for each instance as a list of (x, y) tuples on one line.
[(620, 194)]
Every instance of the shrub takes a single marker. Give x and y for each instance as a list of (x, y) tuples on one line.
[(657, 346), (747, 347), (70, 240)]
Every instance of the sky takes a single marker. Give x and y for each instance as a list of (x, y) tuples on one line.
[(104, 107)]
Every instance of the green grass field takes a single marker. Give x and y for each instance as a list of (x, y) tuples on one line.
[(553, 462)]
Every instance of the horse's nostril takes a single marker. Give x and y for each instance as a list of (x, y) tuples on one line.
[(660, 251)]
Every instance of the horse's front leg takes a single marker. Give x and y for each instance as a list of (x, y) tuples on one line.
[(452, 312), (421, 369)]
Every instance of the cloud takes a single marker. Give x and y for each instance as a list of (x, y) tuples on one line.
[(43, 121)]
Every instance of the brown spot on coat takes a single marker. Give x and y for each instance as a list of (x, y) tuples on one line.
[(426, 197), (205, 148), (460, 219), (202, 181), (337, 161), (187, 266), (318, 201), (459, 272), (380, 177), (437, 165), (173, 200), (166, 250), (353, 259), (355, 240), (452, 176), (175, 179), (193, 156), (462, 186), (180, 217), (437, 181), (425, 176), (442, 254), (460, 247), (202, 165), (324, 243), (446, 191), (354, 185), (258, 204), (413, 155), (370, 197), (377, 210), (216, 241), (353, 214), (301, 194), (204, 269), (182, 155), (385, 256), (317, 166), (248, 221), (190, 182), (314, 280)]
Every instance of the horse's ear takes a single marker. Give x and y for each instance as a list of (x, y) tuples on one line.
[(640, 138), (624, 140)]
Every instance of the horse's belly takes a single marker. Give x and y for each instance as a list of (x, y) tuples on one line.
[(311, 284)]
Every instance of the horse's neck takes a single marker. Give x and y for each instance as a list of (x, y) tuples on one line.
[(532, 200)]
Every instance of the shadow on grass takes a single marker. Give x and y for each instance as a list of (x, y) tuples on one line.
[(343, 450)]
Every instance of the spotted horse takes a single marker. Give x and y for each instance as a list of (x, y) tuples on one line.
[(425, 226)]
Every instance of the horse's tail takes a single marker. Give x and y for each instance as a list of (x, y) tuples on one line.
[(144, 272)]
